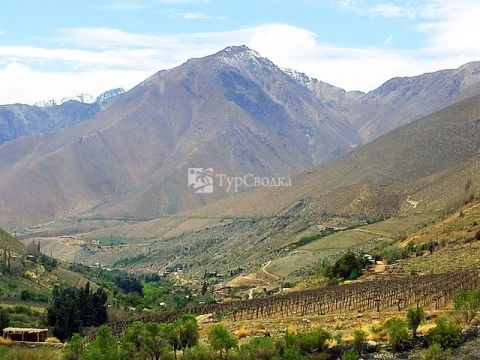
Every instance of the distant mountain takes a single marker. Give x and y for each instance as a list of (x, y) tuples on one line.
[(83, 98), (22, 120), (400, 101), (234, 111), (19, 120)]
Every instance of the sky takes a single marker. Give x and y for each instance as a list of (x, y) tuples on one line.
[(50, 49)]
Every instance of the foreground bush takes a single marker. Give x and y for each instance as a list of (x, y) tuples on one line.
[(398, 336), (435, 352), (309, 343), (415, 317), (259, 348), (196, 353), (447, 334), (350, 355), (359, 341)]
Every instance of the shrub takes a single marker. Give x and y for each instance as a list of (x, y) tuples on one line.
[(259, 349), (26, 295), (415, 316), (359, 341), (309, 342), (435, 352), (350, 355), (392, 253), (398, 336), (446, 333), (74, 348), (289, 353), (197, 352)]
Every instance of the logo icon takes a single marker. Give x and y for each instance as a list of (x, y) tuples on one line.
[(200, 180)]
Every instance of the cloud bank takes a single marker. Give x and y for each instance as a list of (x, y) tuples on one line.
[(116, 58)]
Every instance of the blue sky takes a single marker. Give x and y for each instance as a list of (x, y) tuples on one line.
[(52, 49)]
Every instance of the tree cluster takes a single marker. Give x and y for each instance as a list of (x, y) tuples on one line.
[(74, 308)]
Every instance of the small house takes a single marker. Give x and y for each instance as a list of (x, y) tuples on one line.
[(25, 334)]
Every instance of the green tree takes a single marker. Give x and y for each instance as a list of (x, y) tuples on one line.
[(156, 340), (446, 333), (4, 318), (73, 350), (133, 342), (183, 333), (222, 340), (467, 303), (349, 266), (415, 316), (74, 308), (359, 341), (188, 331), (103, 347), (398, 336)]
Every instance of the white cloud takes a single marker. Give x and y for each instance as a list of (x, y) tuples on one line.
[(119, 58), (452, 26), (383, 9), (194, 16), (29, 86)]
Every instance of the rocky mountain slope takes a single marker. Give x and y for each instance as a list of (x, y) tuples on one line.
[(407, 176), (400, 101), (234, 111)]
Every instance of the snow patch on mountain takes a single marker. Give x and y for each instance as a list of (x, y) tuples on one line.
[(83, 98)]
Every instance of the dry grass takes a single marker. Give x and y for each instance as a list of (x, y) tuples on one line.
[(52, 340), (241, 333), (292, 329), (5, 342)]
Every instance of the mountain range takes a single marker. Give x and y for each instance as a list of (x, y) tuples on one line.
[(237, 112), (18, 120)]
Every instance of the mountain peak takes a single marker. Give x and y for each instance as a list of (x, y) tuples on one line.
[(237, 49), (234, 54)]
